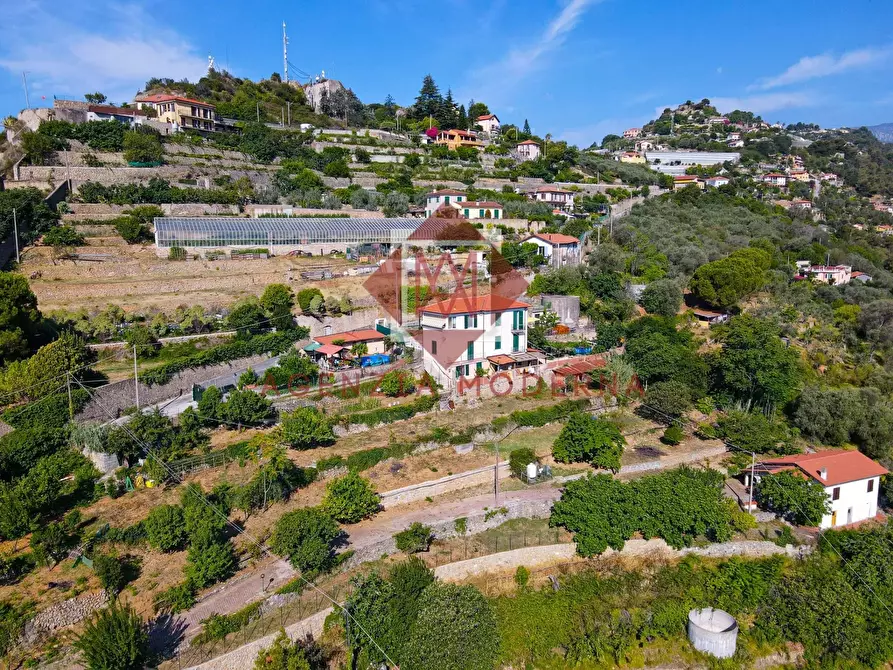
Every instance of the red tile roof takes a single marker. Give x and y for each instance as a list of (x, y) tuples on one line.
[(501, 359), (328, 349), (167, 97), (351, 336), (482, 303), (554, 238), (551, 189), (528, 142), (484, 117), (842, 466), (581, 367), (685, 177), (111, 109)]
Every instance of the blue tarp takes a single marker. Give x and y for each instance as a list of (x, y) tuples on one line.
[(374, 359), (582, 350)]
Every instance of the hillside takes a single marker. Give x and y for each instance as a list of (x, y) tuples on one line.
[(883, 131)]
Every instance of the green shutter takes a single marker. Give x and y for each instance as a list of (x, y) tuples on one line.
[(515, 342), (466, 213), (470, 350), (498, 343)]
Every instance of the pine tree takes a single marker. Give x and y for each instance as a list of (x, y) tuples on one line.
[(448, 117), (526, 130), (389, 102), (429, 101), (462, 122)]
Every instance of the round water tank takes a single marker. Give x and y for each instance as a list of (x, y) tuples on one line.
[(713, 631), (531, 471)]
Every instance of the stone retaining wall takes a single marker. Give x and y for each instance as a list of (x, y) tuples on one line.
[(79, 211), (64, 614)]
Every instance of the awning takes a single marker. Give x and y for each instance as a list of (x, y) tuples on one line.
[(520, 358), (313, 346), (329, 349)]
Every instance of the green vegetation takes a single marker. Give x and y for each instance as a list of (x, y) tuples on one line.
[(585, 438), (114, 639), (414, 539), (603, 512), (801, 501), (350, 499), (306, 537)]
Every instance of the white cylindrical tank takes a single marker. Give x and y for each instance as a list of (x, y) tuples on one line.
[(531, 471), (713, 631)]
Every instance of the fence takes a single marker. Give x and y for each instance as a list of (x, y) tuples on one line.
[(193, 463), (299, 607)]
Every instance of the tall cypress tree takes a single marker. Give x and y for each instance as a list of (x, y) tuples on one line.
[(448, 117), (526, 130)]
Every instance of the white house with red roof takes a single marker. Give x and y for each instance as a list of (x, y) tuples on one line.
[(445, 196), (558, 250), (775, 179), (489, 123), (851, 481), (559, 198), (462, 335), (470, 209), (528, 150)]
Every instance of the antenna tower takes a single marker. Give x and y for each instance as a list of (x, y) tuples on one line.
[(284, 53)]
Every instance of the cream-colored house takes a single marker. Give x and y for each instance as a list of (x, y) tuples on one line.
[(184, 112)]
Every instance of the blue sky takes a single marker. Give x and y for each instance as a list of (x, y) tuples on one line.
[(577, 69)]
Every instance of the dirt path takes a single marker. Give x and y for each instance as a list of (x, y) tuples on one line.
[(238, 593)]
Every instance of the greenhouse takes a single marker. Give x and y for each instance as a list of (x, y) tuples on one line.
[(320, 234)]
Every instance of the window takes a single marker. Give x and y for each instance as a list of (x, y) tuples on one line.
[(470, 350), (467, 321), (495, 213), (481, 213), (835, 494), (870, 485), (466, 213), (447, 200), (479, 366), (433, 347), (516, 343), (452, 322), (498, 345), (498, 321)]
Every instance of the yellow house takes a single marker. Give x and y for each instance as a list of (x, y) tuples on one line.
[(453, 139), (185, 112)]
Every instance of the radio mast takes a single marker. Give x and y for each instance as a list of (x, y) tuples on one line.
[(284, 53)]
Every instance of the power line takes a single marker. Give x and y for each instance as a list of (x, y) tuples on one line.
[(239, 530)]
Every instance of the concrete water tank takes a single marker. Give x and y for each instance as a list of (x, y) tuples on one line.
[(713, 631), (531, 471)]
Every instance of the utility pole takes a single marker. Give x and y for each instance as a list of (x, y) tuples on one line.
[(284, 53), (753, 458), (257, 109), (25, 84), (288, 106), (136, 380), (496, 476), (282, 117), (15, 233)]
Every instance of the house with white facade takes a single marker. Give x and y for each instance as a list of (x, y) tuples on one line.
[(835, 275), (558, 250), (775, 179), (489, 123), (470, 209), (446, 196), (851, 481), (717, 181), (472, 336), (130, 116), (528, 150), (558, 198)]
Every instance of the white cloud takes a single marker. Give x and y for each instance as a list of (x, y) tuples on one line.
[(767, 102), (111, 48), (813, 67), (519, 64)]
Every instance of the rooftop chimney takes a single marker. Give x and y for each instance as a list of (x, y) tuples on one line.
[(823, 473)]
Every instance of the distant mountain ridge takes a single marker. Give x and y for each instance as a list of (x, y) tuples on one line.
[(883, 131)]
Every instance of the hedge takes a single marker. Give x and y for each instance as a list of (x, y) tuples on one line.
[(48, 412), (273, 343), (543, 415), (391, 414)]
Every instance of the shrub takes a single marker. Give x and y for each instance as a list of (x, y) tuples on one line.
[(306, 537), (397, 383), (350, 499), (307, 427), (178, 598), (114, 639), (522, 576), (414, 539), (519, 459), (585, 438), (673, 435), (114, 572), (131, 230), (210, 563), (665, 401), (543, 415), (165, 527), (218, 626), (754, 431), (800, 501)]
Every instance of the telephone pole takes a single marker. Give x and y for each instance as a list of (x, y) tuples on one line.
[(25, 84), (136, 380), (15, 233), (284, 53)]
